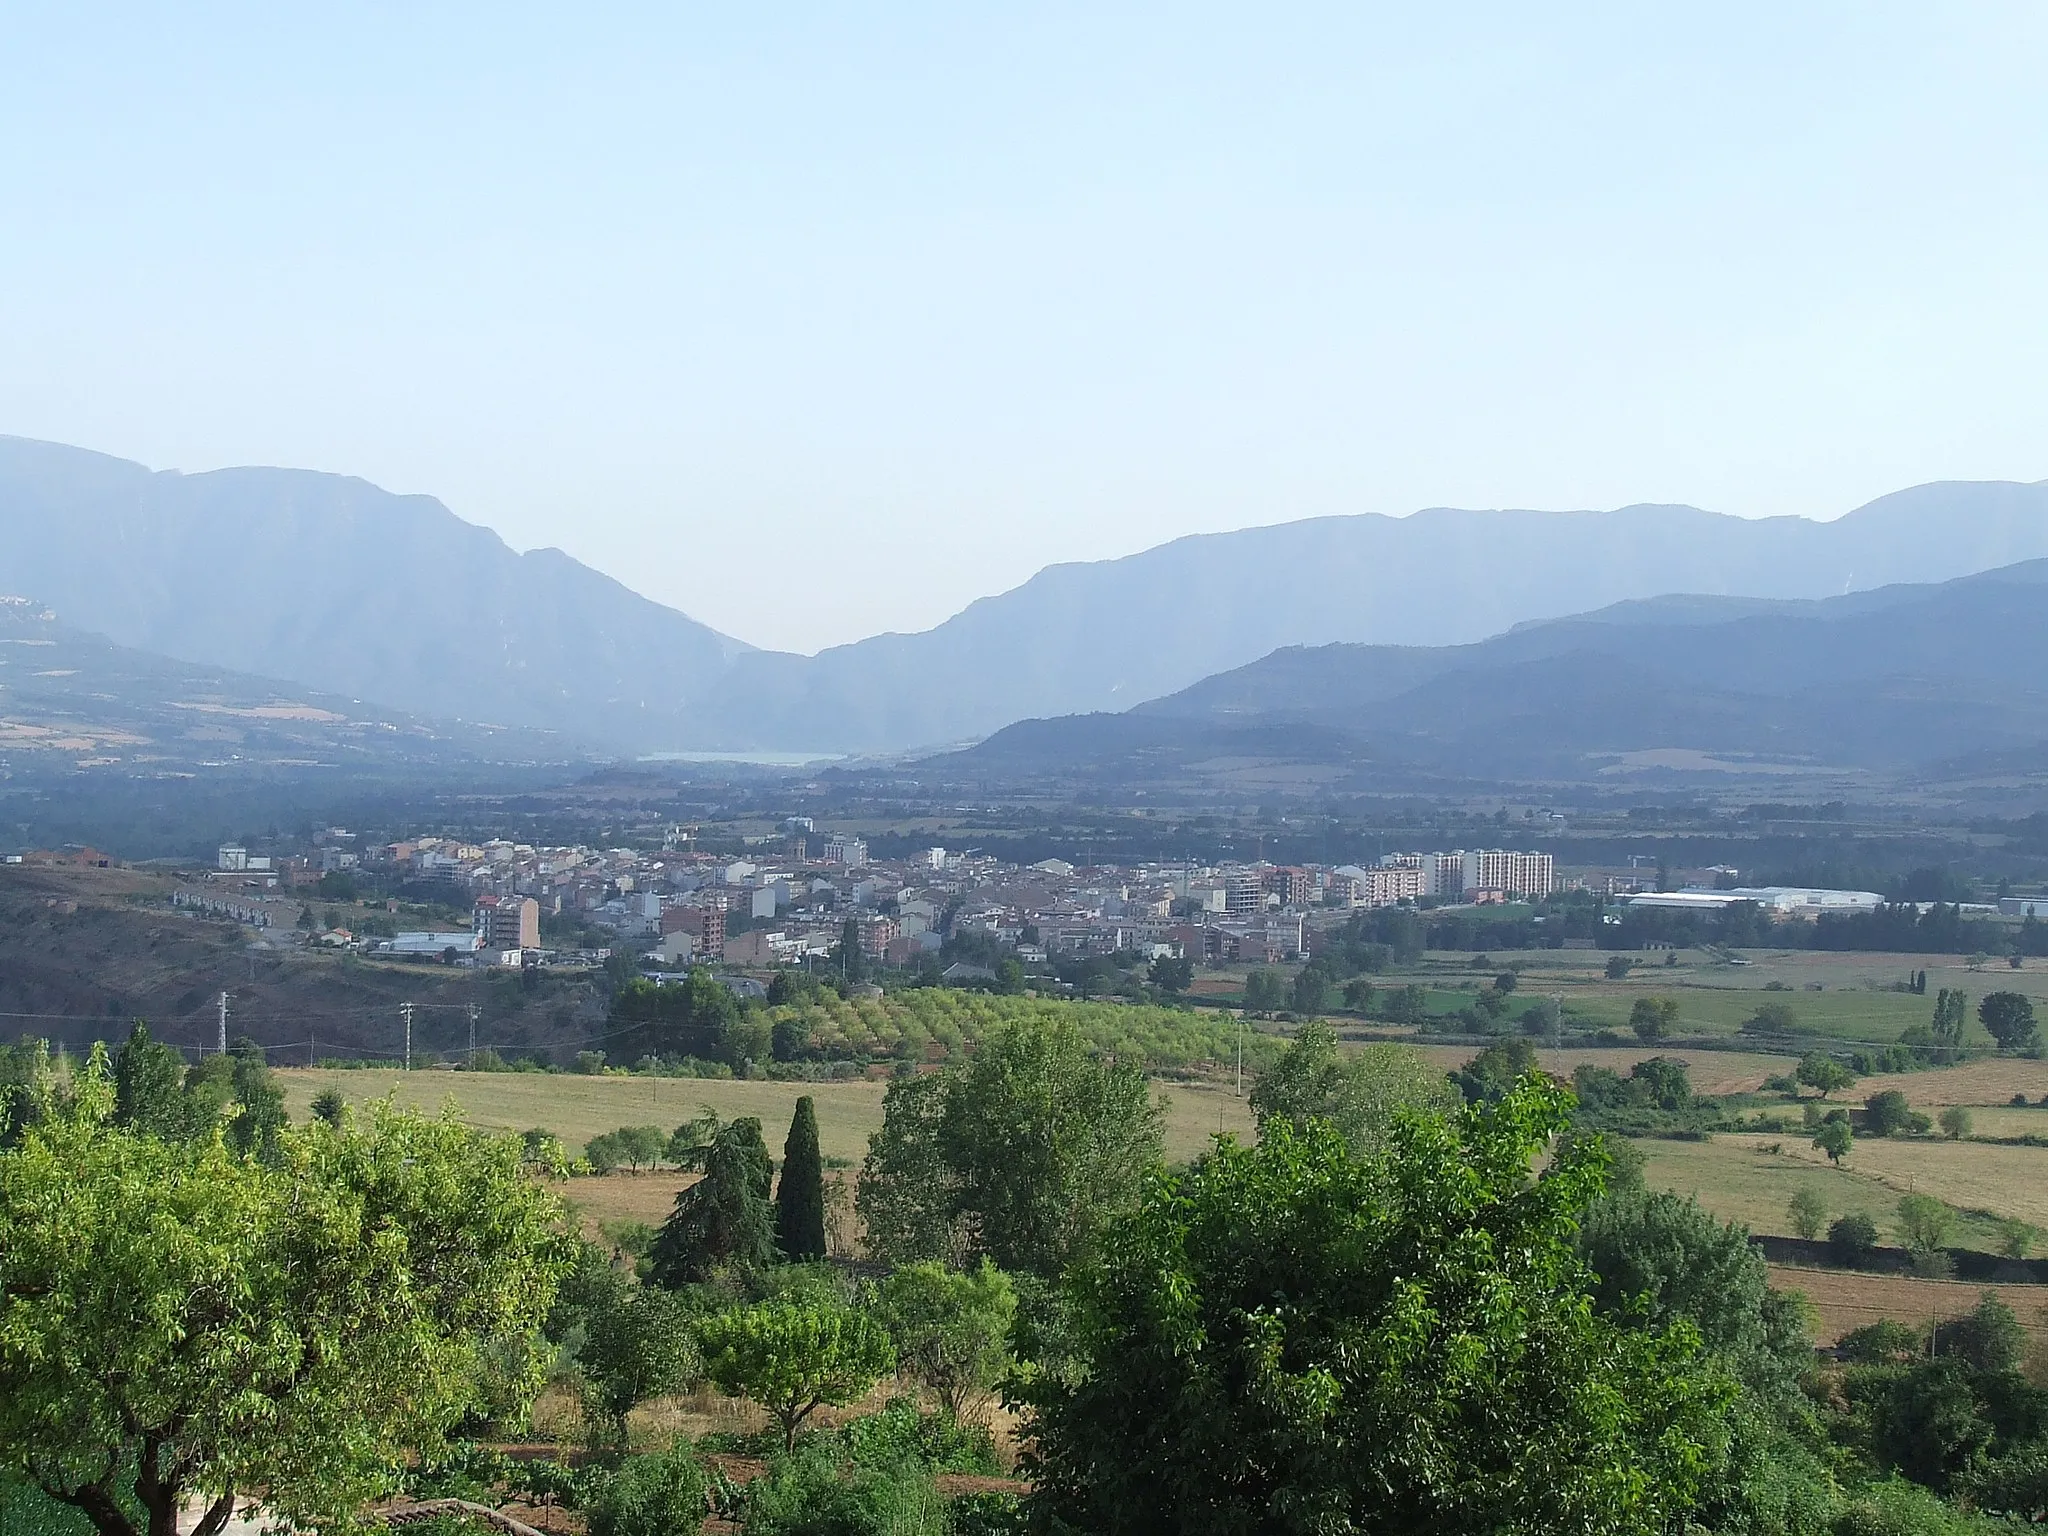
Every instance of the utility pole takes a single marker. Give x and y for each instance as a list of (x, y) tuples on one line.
[(405, 1012), (223, 1024), (1240, 1054), (472, 1037)]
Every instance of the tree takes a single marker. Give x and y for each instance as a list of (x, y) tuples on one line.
[(603, 1152), (1951, 1012), (908, 1194), (1172, 974), (692, 1017), (1852, 1236), (1834, 1138), (149, 1085), (1264, 989), (1310, 990), (1618, 967), (1886, 1113), (1427, 1313), (1924, 1223), (637, 1344), (329, 1106), (1359, 1094), (794, 1356), (2015, 1237), (177, 1319), (2009, 1018), (723, 1218), (1955, 1122), (1494, 1072), (951, 1330), (1771, 1019), (1652, 1018), (1045, 1142), (847, 957), (1822, 1073), (1658, 1257), (260, 1114), (1989, 1337), (800, 1198), (1809, 1213)]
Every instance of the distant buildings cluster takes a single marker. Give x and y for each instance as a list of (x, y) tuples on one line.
[(789, 900)]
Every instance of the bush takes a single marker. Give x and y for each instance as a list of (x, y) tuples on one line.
[(1852, 1239), (900, 1434), (662, 1494), (1886, 1113), (1809, 1214), (813, 1493)]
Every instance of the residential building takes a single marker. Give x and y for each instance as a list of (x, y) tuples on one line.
[(849, 851), (507, 922), (705, 924)]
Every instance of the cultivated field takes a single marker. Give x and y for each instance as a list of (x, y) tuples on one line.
[(1841, 1301)]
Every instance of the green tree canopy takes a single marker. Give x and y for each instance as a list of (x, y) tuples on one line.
[(951, 1329), (637, 1344), (1834, 1138), (1822, 1073), (177, 1318), (800, 1197), (2009, 1018), (794, 1356), (1659, 1257), (908, 1194), (1285, 1338), (1360, 1093), (1019, 1157), (724, 1218), (1652, 1018), (1886, 1113)]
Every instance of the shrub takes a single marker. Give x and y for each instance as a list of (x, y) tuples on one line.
[(814, 1493), (1955, 1122), (1886, 1113), (1808, 1212), (661, 1494), (1852, 1239)]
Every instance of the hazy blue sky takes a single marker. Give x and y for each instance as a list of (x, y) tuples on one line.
[(818, 320)]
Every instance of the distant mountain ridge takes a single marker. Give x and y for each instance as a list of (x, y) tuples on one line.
[(333, 584), (1884, 682), (72, 701), (330, 583)]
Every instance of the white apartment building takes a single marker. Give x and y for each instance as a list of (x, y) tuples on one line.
[(849, 851), (1469, 872)]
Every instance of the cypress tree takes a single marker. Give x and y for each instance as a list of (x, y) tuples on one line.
[(800, 1200)]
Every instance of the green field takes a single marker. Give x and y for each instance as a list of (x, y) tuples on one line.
[(1737, 1179)]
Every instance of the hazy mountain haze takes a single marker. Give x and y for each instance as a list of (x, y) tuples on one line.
[(815, 324), (330, 583)]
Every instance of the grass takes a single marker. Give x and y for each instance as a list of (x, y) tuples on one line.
[(577, 1108), (1737, 1179)]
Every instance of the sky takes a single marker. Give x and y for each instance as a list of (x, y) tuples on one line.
[(821, 320)]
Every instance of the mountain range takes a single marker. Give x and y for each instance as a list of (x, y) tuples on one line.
[(325, 582), (72, 702), (1902, 680)]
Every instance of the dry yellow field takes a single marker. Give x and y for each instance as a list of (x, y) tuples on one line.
[(577, 1108), (1841, 1301)]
